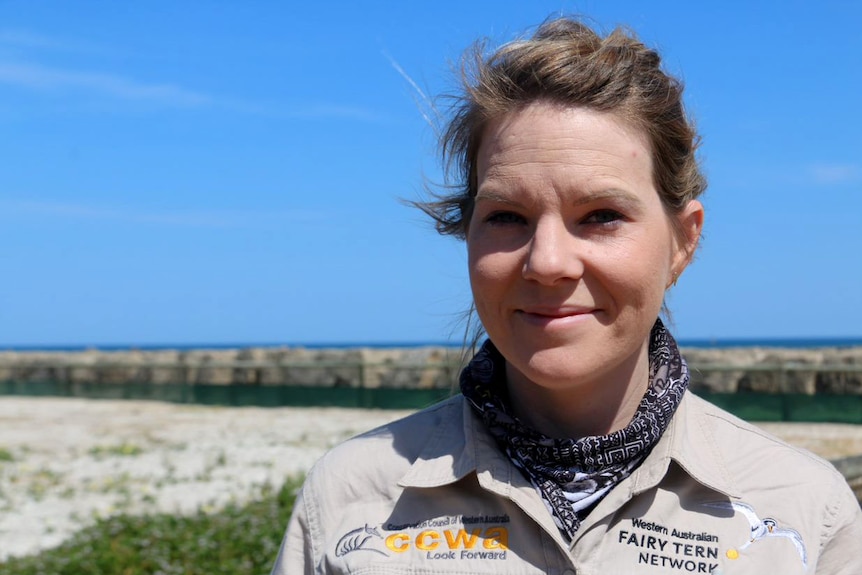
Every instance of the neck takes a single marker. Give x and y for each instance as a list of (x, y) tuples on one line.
[(580, 409)]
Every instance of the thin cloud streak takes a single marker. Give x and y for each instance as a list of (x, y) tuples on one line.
[(835, 173), (425, 104), (195, 219), (35, 77), (44, 78), (22, 40), (18, 68), (25, 39), (327, 111)]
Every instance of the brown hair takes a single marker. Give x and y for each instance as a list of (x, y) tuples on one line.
[(567, 63)]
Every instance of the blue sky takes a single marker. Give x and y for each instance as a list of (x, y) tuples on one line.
[(229, 172)]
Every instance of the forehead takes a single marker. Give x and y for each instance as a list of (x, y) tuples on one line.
[(545, 140)]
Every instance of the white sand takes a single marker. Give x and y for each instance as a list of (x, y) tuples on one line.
[(73, 460)]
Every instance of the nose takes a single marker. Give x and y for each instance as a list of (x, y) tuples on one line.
[(552, 254)]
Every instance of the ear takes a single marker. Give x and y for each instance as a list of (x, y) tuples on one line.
[(689, 226)]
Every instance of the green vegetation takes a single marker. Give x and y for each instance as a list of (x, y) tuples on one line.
[(41, 482), (6, 455), (238, 539), (125, 449)]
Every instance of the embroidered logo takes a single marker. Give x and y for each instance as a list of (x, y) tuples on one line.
[(359, 539), (449, 537), (761, 528)]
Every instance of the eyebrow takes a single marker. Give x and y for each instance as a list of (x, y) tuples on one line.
[(622, 196), (627, 198), (494, 196)]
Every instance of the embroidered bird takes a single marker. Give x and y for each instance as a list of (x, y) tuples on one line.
[(355, 541), (761, 528)]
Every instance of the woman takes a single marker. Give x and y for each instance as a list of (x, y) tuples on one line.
[(574, 447)]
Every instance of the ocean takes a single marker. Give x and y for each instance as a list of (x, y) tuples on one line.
[(793, 343)]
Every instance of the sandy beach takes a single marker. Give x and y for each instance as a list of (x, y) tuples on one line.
[(65, 462)]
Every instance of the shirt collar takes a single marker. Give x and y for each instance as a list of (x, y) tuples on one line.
[(449, 456), (689, 442)]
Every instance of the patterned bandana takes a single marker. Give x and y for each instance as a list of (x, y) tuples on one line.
[(572, 475)]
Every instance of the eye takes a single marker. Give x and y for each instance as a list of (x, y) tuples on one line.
[(504, 218), (603, 217)]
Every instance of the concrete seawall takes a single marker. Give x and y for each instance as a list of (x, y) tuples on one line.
[(730, 370)]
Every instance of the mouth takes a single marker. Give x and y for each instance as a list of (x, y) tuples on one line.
[(543, 316), (556, 312)]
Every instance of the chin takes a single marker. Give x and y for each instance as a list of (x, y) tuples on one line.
[(558, 368), (576, 365)]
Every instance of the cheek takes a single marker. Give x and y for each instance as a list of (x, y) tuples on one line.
[(486, 273), (483, 261), (491, 275), (638, 276), (491, 268)]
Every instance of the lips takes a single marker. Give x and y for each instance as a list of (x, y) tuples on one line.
[(557, 312), (554, 317)]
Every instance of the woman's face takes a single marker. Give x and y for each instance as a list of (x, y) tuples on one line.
[(569, 248)]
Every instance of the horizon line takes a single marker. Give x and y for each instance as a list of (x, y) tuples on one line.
[(700, 342)]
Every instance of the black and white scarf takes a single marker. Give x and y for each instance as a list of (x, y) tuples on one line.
[(572, 475)]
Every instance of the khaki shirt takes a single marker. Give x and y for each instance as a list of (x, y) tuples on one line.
[(433, 493)]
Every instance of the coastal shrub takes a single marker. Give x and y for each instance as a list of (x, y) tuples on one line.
[(237, 539), (6, 455), (122, 449)]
